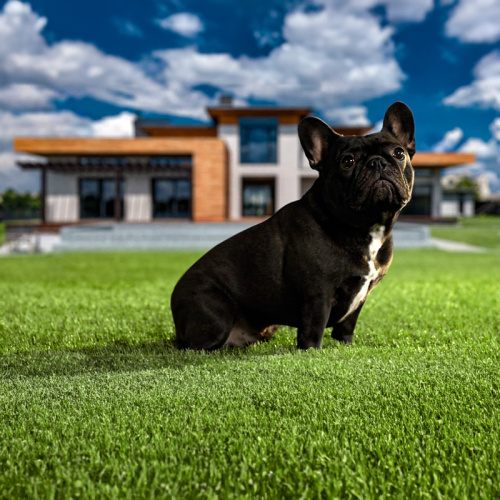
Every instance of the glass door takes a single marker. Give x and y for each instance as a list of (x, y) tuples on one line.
[(171, 198)]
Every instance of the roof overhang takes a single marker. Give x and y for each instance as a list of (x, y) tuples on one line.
[(231, 115), (442, 160), (133, 146), (178, 131)]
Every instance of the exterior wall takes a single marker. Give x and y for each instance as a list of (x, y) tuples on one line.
[(62, 204), (469, 209), (436, 194), (287, 173), (138, 203), (209, 176), (451, 208), (210, 182), (230, 135), (288, 181)]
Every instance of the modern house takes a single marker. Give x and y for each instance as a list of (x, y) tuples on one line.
[(247, 164)]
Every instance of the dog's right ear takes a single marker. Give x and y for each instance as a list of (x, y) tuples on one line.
[(317, 139)]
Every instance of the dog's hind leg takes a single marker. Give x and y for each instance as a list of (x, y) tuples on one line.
[(244, 335), (202, 321)]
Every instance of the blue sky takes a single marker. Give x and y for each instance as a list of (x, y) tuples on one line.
[(86, 68)]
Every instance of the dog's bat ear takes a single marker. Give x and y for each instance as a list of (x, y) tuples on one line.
[(317, 139), (398, 121)]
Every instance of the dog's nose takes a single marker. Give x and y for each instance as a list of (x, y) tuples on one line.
[(377, 162)]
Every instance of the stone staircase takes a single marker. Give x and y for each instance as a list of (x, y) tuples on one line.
[(188, 236)]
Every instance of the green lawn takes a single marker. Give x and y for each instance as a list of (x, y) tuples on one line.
[(482, 231), (95, 401)]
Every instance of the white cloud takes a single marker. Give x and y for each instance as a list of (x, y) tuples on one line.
[(53, 124), (40, 124), (475, 21), (121, 125), (335, 67), (11, 176), (450, 140), (487, 164), (81, 70), (354, 116), (21, 96), (183, 23), (495, 129), (482, 149), (408, 11), (78, 69), (396, 10), (62, 124), (20, 29), (484, 91)]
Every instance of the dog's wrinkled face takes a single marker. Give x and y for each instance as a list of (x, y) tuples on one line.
[(368, 174)]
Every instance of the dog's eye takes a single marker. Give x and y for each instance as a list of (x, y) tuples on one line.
[(348, 161), (399, 154)]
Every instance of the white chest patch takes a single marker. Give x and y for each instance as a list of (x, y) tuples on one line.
[(377, 235)]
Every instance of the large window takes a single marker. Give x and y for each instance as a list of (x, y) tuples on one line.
[(258, 197), (97, 198), (258, 138), (171, 198)]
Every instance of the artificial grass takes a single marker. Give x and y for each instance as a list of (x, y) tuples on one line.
[(482, 231), (95, 401)]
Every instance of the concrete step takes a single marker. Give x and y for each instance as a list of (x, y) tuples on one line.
[(189, 236), (407, 235), (173, 236)]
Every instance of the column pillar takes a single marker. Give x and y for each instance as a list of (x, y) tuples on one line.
[(43, 194), (118, 207)]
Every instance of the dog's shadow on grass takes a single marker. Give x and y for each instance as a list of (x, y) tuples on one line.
[(125, 357)]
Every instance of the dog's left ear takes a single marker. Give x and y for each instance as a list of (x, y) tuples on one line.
[(317, 139), (398, 121)]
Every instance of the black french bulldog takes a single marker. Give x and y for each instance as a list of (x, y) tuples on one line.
[(313, 263)]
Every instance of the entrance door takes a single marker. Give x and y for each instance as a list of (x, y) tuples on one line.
[(258, 197), (171, 198)]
